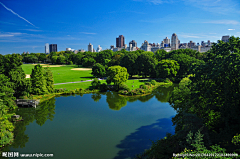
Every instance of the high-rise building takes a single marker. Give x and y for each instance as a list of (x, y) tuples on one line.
[(111, 47), (46, 48), (90, 47), (166, 41), (174, 42), (53, 48), (133, 42), (120, 41), (99, 48), (225, 38)]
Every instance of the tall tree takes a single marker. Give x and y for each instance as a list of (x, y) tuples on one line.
[(167, 68), (129, 61), (117, 74), (98, 70), (38, 80), (49, 79), (145, 65)]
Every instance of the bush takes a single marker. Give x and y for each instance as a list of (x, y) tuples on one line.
[(103, 87), (70, 63), (143, 86), (153, 82), (96, 83), (148, 83), (124, 87), (167, 80)]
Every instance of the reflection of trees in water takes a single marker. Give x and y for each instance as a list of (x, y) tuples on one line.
[(115, 101), (96, 97), (44, 111), (163, 93), (146, 98), (142, 138)]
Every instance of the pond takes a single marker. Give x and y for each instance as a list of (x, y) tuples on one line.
[(94, 126)]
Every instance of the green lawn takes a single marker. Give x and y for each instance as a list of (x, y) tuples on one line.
[(86, 85), (64, 73)]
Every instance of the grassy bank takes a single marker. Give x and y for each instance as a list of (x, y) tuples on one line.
[(62, 74)]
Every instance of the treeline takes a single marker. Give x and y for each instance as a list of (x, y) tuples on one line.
[(160, 64), (208, 108), (15, 85)]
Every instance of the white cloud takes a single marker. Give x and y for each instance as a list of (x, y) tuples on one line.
[(6, 35), (215, 6), (155, 2), (35, 30), (234, 22), (16, 14), (88, 33), (231, 29)]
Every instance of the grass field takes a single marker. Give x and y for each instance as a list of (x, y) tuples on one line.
[(63, 74), (86, 85)]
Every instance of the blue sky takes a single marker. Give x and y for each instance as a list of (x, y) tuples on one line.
[(27, 25)]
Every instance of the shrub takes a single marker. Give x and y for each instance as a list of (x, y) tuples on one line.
[(124, 87), (96, 83), (103, 87), (70, 63), (143, 86), (153, 82), (148, 83)]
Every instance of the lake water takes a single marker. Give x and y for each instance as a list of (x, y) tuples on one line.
[(94, 126)]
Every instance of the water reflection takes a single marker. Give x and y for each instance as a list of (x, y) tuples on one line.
[(142, 138), (41, 114), (116, 102)]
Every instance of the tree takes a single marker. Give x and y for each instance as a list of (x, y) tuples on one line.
[(167, 68), (103, 55), (78, 59), (88, 62), (98, 70), (117, 74), (38, 80), (61, 59), (42, 57), (161, 54), (96, 83), (54, 59), (129, 61), (115, 60), (49, 79), (145, 65)]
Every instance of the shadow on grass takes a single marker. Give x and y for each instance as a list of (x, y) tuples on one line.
[(142, 138)]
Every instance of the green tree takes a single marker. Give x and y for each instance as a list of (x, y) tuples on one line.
[(167, 68), (145, 65), (38, 80), (54, 59), (103, 55), (96, 83), (49, 79), (117, 74), (128, 61), (161, 54), (98, 70), (42, 57), (61, 59), (88, 62), (78, 59)]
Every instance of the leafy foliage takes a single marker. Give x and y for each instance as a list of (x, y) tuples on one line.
[(38, 80), (117, 74)]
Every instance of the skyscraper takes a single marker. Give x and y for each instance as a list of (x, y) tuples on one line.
[(53, 48), (133, 42), (174, 42), (167, 42), (90, 47), (225, 38), (99, 48), (120, 41), (46, 48)]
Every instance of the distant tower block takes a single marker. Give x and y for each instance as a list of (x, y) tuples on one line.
[(90, 47), (174, 42)]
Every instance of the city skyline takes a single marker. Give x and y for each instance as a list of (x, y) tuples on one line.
[(29, 26)]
